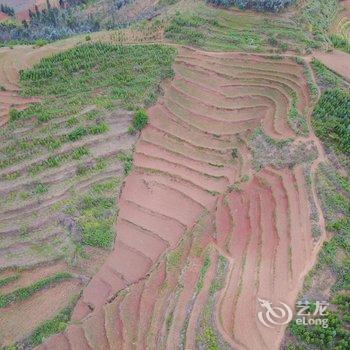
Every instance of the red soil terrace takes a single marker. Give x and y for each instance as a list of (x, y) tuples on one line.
[(179, 208)]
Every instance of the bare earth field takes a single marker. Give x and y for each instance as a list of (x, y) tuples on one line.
[(213, 215), (337, 61)]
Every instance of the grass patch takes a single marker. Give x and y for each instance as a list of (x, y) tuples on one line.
[(126, 160), (218, 29), (139, 121), (295, 119), (7, 280), (25, 292), (56, 160), (327, 79), (317, 16), (340, 43), (94, 213), (207, 336), (129, 74), (202, 272), (173, 259), (55, 325)]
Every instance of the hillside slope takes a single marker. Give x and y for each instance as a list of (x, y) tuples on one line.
[(208, 222)]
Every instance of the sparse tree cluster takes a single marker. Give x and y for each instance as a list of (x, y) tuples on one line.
[(64, 20), (50, 23), (259, 5), (7, 10)]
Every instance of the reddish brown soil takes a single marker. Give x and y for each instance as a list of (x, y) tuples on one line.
[(338, 61), (179, 206), (22, 318), (3, 16)]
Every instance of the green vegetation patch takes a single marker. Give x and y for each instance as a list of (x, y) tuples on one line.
[(317, 16), (222, 30), (296, 120), (100, 73), (327, 79), (25, 292), (207, 336), (7, 280), (267, 151), (126, 160), (95, 213), (139, 121), (331, 119), (202, 273), (340, 43)]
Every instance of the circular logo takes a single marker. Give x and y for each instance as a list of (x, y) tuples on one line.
[(274, 315)]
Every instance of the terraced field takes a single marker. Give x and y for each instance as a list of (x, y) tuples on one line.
[(218, 211), (16, 59), (62, 165), (341, 26)]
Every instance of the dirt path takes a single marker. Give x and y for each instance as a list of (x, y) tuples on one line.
[(337, 61)]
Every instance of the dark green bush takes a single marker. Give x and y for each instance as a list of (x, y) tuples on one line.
[(139, 121)]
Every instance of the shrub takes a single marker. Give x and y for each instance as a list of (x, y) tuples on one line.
[(139, 121), (234, 153), (77, 134), (126, 159), (14, 114), (40, 42), (99, 128)]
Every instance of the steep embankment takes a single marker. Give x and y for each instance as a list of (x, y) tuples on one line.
[(213, 215)]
